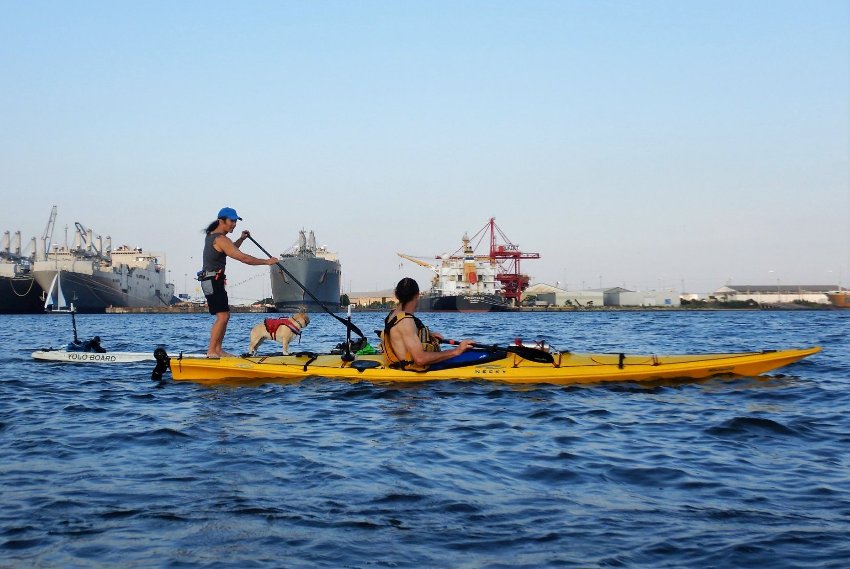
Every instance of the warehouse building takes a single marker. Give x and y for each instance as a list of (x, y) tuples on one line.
[(774, 294), (548, 295), (618, 296)]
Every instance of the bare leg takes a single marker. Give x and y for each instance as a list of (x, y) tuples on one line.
[(219, 327)]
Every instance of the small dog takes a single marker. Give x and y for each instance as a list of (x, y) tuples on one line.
[(281, 330)]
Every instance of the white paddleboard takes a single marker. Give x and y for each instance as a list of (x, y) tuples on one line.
[(92, 357), (99, 358)]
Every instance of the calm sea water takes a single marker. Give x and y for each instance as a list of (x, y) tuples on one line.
[(103, 467)]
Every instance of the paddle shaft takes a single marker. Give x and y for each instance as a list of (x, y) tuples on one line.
[(348, 323), (525, 352), (74, 325)]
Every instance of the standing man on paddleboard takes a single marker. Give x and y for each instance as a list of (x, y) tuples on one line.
[(406, 341), (217, 248)]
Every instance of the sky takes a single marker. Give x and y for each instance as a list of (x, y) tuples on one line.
[(669, 144)]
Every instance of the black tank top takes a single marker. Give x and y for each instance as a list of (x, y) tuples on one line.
[(213, 260)]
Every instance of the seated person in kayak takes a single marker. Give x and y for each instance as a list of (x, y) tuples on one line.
[(406, 341)]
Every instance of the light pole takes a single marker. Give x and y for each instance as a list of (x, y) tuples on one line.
[(778, 292), (191, 264), (832, 276)]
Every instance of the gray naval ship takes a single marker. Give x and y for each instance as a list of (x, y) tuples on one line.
[(314, 267)]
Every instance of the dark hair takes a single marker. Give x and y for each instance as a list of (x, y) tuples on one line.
[(211, 227), (406, 289)]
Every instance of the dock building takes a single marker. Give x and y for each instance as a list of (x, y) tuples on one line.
[(775, 294), (548, 295)]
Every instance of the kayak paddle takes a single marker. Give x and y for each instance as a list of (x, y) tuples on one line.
[(348, 324), (526, 353)]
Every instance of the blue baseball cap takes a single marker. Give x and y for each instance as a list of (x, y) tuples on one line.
[(228, 213)]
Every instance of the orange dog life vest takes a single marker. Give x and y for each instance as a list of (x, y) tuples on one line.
[(272, 325)]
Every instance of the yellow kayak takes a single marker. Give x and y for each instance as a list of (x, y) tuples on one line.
[(565, 368)]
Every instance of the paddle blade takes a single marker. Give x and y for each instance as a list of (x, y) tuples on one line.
[(526, 353), (532, 354)]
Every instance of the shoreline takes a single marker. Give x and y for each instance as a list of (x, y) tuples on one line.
[(202, 309)]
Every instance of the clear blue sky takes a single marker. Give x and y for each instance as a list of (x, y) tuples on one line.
[(639, 143)]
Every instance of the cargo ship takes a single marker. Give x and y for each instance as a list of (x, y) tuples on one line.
[(839, 298), (19, 292), (95, 276), (466, 282), (312, 266)]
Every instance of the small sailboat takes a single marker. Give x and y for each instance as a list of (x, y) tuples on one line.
[(55, 303), (54, 300)]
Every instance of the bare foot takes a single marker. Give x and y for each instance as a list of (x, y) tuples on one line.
[(221, 355)]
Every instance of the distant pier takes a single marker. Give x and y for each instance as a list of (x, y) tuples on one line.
[(184, 308)]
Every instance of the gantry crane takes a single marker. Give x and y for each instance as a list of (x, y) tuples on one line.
[(419, 262), (503, 254), (47, 236), (507, 256)]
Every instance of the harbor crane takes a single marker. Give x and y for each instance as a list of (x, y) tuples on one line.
[(419, 262), (503, 254), (508, 256), (47, 236)]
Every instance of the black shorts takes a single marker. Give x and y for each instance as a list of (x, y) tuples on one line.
[(217, 301)]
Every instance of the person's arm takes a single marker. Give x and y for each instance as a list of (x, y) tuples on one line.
[(226, 246), (245, 235), (414, 347)]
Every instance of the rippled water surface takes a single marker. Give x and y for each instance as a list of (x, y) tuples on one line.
[(103, 467)]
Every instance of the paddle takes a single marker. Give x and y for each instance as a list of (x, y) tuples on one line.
[(348, 324), (526, 353)]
